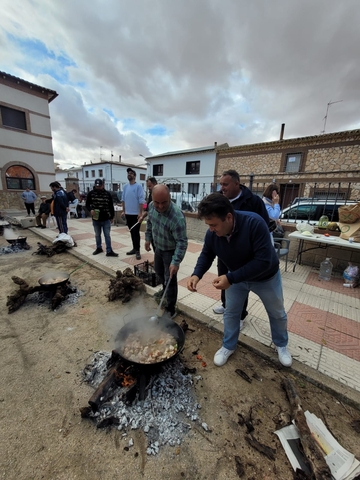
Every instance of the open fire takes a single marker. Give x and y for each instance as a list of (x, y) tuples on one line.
[(158, 399)]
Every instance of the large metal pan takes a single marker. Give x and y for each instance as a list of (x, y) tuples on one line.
[(18, 240), (54, 279), (162, 325)]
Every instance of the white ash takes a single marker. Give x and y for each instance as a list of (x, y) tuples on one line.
[(166, 414), (12, 249), (42, 299)]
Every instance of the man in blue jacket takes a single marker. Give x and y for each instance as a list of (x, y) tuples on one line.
[(242, 242), (61, 206)]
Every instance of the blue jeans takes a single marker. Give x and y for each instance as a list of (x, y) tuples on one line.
[(162, 261), (271, 294), (105, 225)]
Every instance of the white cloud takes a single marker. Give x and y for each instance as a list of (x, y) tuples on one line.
[(205, 71)]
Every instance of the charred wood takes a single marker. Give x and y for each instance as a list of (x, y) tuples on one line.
[(124, 286), (260, 447), (312, 451)]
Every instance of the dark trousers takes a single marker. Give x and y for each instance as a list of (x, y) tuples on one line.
[(30, 207), (62, 223), (223, 270), (135, 232), (162, 263)]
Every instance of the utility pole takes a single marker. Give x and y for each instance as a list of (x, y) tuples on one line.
[(327, 111)]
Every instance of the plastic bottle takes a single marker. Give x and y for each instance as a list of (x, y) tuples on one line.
[(323, 221), (325, 270)]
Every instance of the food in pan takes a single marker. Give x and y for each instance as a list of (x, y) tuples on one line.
[(156, 348), (52, 281)]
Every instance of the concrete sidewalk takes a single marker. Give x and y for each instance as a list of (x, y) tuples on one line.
[(323, 317)]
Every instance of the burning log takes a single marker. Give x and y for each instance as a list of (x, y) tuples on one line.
[(124, 286), (314, 455), (58, 247), (15, 300)]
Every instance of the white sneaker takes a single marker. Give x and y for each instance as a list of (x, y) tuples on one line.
[(219, 310), (284, 356), (241, 324), (221, 356)]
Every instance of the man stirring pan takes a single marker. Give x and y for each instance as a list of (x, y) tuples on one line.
[(166, 229)]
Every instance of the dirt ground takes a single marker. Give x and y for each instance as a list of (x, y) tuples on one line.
[(43, 354)]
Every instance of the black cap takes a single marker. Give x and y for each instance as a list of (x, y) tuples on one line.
[(99, 182), (131, 170)]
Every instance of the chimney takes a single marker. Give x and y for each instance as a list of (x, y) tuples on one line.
[(282, 131)]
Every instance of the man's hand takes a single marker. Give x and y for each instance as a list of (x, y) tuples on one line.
[(173, 269), (147, 246), (221, 283), (192, 282)]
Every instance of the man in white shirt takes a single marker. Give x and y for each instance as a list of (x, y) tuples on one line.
[(133, 203)]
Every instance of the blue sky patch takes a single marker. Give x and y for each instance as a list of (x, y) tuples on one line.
[(157, 131), (37, 57)]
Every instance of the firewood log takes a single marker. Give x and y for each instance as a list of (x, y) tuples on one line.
[(312, 450)]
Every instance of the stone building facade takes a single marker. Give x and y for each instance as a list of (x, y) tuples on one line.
[(320, 165)]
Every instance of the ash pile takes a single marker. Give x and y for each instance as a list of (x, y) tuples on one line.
[(165, 415)]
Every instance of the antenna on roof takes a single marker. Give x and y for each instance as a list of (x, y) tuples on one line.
[(327, 111)]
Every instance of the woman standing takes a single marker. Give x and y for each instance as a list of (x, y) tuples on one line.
[(29, 198), (271, 199)]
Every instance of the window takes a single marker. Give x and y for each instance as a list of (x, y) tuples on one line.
[(18, 178), (193, 188), (158, 170), (192, 168), (92, 173), (13, 118), (293, 161), (100, 173), (86, 174)]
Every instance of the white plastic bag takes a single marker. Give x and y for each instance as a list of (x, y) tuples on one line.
[(65, 238)]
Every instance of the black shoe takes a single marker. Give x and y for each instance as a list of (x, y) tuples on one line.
[(112, 254), (132, 252), (97, 251), (43, 226), (138, 256), (38, 226)]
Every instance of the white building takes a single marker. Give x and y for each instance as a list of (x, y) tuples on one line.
[(113, 174), (190, 173), (26, 153)]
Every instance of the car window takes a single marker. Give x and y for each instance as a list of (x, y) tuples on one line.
[(301, 212)]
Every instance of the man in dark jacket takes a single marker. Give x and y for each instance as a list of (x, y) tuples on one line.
[(101, 206), (242, 242), (61, 206), (241, 199), (44, 212)]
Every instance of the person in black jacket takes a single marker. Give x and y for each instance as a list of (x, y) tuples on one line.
[(60, 206), (241, 199), (44, 212), (100, 204)]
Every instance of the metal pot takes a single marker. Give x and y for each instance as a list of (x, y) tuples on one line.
[(162, 325), (56, 278), (53, 279), (19, 240)]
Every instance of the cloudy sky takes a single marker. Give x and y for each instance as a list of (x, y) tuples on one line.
[(147, 77)]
